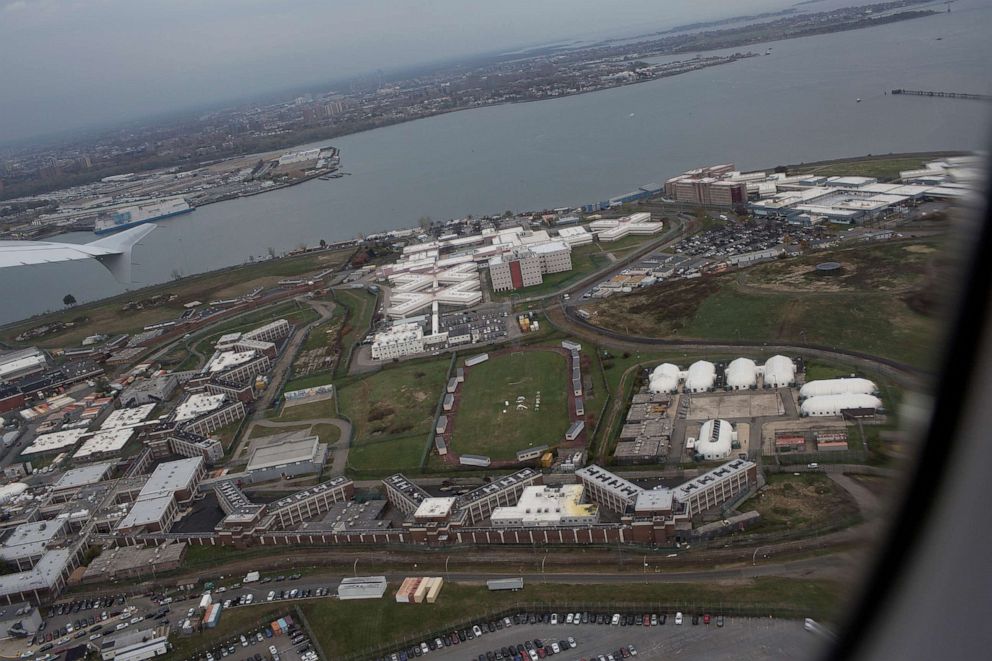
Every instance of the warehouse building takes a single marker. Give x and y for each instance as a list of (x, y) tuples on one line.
[(287, 459), (547, 506), (157, 504)]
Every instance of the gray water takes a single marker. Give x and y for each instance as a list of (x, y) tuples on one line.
[(796, 104)]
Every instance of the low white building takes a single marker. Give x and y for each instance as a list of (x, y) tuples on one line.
[(400, 340), (701, 376), (780, 372)]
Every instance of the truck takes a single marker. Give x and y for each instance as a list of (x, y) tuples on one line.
[(251, 577), (584, 314)]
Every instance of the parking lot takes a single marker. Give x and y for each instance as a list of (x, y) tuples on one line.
[(260, 644), (752, 638)]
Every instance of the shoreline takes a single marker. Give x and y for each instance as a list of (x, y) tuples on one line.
[(131, 293)]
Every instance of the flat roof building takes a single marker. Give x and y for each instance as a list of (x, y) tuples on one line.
[(287, 459)]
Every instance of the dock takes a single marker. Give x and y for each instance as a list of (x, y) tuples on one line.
[(945, 95)]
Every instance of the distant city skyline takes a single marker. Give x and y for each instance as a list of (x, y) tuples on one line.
[(84, 64)]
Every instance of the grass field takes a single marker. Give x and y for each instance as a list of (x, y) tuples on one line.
[(309, 381), (107, 316), (485, 425), (396, 401), (882, 168), (354, 627), (884, 304), (373, 458), (805, 501)]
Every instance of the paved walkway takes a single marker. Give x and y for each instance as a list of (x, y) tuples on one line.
[(867, 501)]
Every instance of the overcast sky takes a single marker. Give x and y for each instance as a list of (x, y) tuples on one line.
[(70, 64)]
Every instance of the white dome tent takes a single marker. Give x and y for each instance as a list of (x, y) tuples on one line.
[(852, 386), (664, 378), (742, 374), (715, 440), (780, 372), (700, 377), (833, 405)]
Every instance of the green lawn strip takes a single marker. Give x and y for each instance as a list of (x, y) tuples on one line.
[(261, 432), (885, 169), (362, 627), (485, 424), (360, 305)]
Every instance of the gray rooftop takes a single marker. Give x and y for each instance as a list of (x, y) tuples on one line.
[(281, 454), (88, 474)]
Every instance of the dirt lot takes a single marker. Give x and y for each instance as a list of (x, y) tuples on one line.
[(801, 501)]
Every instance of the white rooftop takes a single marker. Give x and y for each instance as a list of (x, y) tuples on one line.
[(127, 417), (225, 360), (434, 507), (55, 441), (197, 404), (111, 440), (79, 477)]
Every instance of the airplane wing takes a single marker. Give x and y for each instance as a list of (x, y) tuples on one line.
[(114, 252)]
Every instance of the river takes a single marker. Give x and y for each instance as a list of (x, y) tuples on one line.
[(796, 104)]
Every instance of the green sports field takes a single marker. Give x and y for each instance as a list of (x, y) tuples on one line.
[(485, 424)]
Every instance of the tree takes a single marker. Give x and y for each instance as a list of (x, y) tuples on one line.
[(323, 243), (68, 300), (424, 222), (271, 251)]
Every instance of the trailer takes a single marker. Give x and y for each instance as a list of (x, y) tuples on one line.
[(512, 584)]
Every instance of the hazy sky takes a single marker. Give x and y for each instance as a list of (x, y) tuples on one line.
[(75, 63)]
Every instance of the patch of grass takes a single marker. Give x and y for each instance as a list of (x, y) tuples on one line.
[(396, 401), (327, 433), (715, 308), (227, 433), (882, 168), (379, 457), (356, 627), (485, 424), (816, 370), (804, 501)]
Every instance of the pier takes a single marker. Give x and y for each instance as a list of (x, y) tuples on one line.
[(946, 95)]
